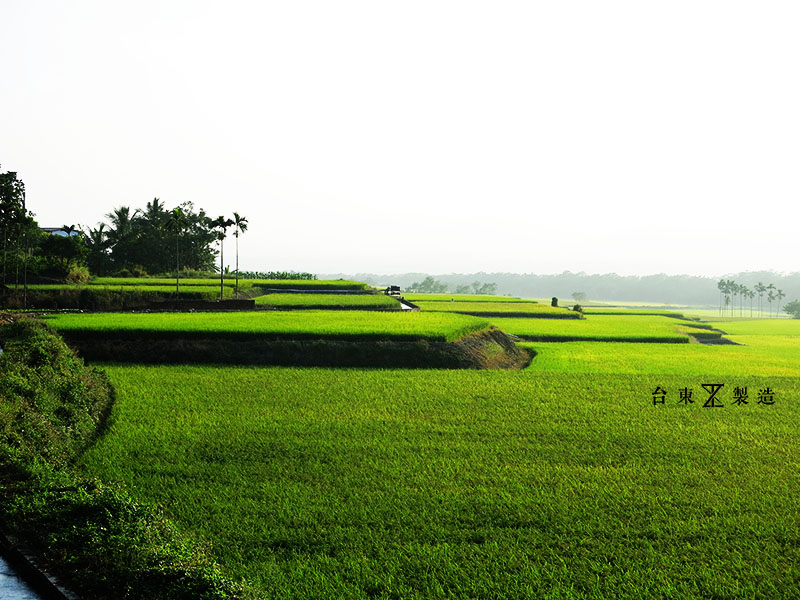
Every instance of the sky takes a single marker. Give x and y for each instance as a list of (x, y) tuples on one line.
[(421, 136)]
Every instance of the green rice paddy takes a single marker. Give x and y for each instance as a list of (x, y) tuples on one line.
[(317, 324), (374, 301), (461, 298), (563, 480), (596, 327), (532, 309), (321, 483)]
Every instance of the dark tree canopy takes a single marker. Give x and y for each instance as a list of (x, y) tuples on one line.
[(145, 239)]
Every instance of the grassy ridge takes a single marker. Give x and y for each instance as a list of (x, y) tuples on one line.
[(377, 301), (350, 484), (312, 324)]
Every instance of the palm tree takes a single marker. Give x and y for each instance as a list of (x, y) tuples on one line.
[(240, 226), (779, 295), (751, 294), (721, 288), (68, 229), (222, 224), (770, 297), (745, 294), (760, 288), (176, 222)]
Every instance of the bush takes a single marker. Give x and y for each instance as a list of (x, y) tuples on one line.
[(77, 275)]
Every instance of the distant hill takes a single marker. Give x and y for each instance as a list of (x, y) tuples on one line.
[(658, 289)]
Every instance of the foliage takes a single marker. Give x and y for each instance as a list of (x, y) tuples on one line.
[(147, 238), (793, 308), (276, 275), (428, 286)]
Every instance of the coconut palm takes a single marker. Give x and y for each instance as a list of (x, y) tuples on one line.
[(240, 226)]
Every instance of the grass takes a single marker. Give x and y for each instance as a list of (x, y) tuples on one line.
[(532, 309), (319, 483), (375, 301), (595, 327), (311, 324)]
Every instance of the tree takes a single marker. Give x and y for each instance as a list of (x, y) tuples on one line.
[(13, 214), (793, 308), (429, 285), (176, 222), (222, 224), (579, 296), (721, 288), (96, 242), (779, 295), (770, 297), (760, 288), (240, 226)]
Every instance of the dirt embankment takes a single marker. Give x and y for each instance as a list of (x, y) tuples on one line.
[(487, 349)]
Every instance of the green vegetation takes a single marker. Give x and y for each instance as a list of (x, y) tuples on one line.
[(350, 484), (94, 537), (596, 327), (311, 324), (364, 301)]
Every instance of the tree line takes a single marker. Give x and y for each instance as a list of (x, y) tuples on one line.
[(135, 242), (429, 285), (731, 292)]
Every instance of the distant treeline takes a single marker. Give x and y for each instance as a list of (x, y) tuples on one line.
[(277, 275), (658, 289)]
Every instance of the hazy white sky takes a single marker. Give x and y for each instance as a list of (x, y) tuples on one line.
[(628, 137)]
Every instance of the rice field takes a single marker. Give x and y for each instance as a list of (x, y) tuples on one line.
[(461, 298), (310, 324), (323, 483), (531, 309), (363, 301), (596, 327), (564, 480)]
